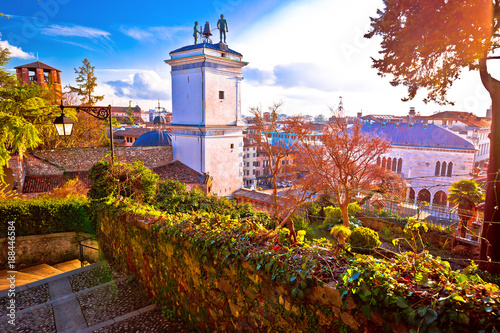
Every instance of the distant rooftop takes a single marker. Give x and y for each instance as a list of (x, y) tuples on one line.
[(418, 135), (467, 118), (206, 45), (180, 172)]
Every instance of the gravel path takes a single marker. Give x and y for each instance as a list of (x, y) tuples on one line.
[(122, 303), (92, 278), (39, 320), (149, 322), (30, 297), (112, 301)]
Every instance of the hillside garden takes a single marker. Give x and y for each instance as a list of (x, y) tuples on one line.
[(412, 287)]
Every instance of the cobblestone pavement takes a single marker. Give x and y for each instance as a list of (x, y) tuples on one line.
[(109, 302)]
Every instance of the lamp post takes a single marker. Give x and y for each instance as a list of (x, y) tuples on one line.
[(64, 125)]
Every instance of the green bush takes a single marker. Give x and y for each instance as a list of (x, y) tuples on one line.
[(341, 233), (334, 215), (173, 197), (452, 301), (45, 216), (132, 180), (364, 238)]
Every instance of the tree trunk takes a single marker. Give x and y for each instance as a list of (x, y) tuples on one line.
[(490, 241), (344, 208)]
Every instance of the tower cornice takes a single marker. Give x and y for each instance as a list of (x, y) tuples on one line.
[(205, 57)]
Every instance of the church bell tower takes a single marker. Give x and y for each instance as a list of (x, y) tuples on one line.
[(207, 129)]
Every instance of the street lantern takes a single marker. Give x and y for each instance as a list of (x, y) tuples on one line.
[(64, 125)]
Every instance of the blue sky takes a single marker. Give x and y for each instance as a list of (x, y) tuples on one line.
[(306, 53)]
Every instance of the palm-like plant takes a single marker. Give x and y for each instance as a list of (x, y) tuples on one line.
[(466, 194)]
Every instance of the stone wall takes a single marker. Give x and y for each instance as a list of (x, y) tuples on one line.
[(49, 249), (55, 162), (219, 296)]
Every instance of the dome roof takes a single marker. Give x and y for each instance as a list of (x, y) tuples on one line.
[(159, 120), (154, 138)]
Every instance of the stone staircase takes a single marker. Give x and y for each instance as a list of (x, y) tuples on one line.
[(67, 298), (35, 273)]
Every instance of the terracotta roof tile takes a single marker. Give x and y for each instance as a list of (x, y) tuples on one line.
[(40, 184), (180, 172)]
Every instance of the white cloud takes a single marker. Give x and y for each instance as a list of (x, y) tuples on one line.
[(153, 33), (309, 53), (144, 85), (15, 52), (137, 33), (74, 31)]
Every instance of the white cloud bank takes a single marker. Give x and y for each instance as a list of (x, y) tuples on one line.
[(15, 52)]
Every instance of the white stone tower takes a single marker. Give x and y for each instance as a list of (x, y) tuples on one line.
[(206, 112)]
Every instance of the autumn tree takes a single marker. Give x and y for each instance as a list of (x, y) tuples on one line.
[(86, 84), (343, 161), (426, 44), (275, 139)]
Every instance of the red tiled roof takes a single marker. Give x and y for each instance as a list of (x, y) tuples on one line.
[(467, 118), (180, 172), (37, 64), (40, 184), (82, 176), (115, 109)]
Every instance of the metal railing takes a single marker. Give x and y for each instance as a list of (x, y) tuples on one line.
[(438, 215), (82, 246)]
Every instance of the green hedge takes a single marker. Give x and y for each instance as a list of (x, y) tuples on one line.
[(46, 216)]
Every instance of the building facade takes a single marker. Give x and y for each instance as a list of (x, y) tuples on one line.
[(207, 127), (428, 157)]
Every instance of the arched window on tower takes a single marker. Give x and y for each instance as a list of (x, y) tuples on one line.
[(379, 161), (450, 169), (438, 168), (400, 165), (389, 163), (443, 169), (383, 162), (394, 164)]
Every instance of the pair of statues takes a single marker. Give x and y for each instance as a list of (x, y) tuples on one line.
[(221, 25)]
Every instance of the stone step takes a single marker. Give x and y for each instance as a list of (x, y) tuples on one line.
[(43, 271), (68, 265), (20, 279)]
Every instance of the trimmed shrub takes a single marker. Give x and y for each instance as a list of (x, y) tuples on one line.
[(341, 233), (364, 238), (334, 215), (45, 216)]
